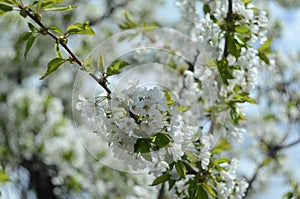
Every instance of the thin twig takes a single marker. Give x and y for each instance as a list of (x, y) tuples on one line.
[(161, 192), (65, 46), (228, 20)]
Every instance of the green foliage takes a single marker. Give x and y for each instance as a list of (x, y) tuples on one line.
[(234, 46), (180, 168), (196, 190), (3, 176), (79, 28), (128, 23), (264, 50), (5, 8), (153, 143), (88, 66), (115, 67), (72, 184), (221, 146), (53, 65), (13, 2), (294, 193), (161, 179), (101, 63)]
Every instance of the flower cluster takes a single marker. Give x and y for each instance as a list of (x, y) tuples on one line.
[(142, 125)]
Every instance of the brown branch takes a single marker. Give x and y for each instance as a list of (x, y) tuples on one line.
[(74, 58), (228, 20), (161, 192)]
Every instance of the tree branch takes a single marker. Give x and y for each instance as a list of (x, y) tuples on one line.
[(228, 20), (28, 11), (161, 192)]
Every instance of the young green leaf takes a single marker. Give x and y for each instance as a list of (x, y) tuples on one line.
[(243, 30), (53, 65), (181, 169), (14, 2), (142, 145), (115, 67), (56, 29), (88, 66), (161, 140), (221, 146), (5, 8), (201, 193), (25, 36), (210, 190), (29, 45), (57, 51), (50, 3), (61, 8), (101, 63), (161, 179), (220, 161), (3, 176), (78, 28), (233, 46), (266, 47)]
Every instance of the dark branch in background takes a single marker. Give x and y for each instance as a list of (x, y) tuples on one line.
[(41, 175), (272, 152), (228, 21), (111, 7), (161, 192), (65, 46)]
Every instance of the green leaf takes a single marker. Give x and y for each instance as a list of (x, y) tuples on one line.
[(221, 146), (128, 23), (201, 193), (3, 176), (243, 97), (266, 161), (115, 67), (78, 28), (50, 3), (161, 179), (56, 29), (53, 65), (192, 190), (57, 51), (183, 108), (161, 139), (266, 47), (32, 27), (243, 30), (25, 36), (263, 57), (220, 161), (171, 184), (210, 190), (101, 63), (5, 8), (29, 45), (233, 46), (14, 2), (169, 97), (180, 168), (61, 8), (206, 8), (246, 2), (289, 195), (87, 65), (142, 145)]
